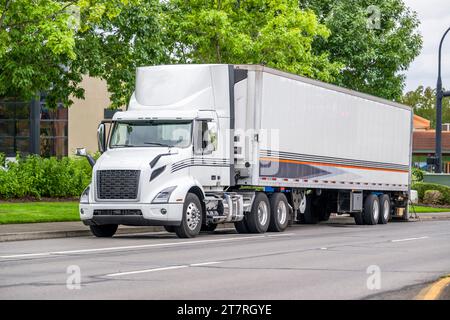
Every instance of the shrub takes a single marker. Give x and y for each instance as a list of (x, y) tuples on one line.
[(33, 176), (417, 175), (421, 187), (433, 197)]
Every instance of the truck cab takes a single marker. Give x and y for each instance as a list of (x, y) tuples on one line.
[(161, 156)]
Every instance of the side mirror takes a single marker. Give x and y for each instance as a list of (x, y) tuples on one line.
[(83, 153), (101, 137)]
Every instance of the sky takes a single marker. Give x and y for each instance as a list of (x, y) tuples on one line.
[(434, 16)]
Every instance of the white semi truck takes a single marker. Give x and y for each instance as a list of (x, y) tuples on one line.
[(201, 145)]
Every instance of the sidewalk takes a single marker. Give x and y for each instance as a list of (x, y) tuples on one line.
[(48, 230)]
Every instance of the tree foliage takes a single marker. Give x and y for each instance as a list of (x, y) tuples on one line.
[(276, 33), (112, 48), (423, 102), (45, 47), (374, 55)]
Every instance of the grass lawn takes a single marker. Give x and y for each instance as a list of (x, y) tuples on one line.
[(28, 212), (421, 209)]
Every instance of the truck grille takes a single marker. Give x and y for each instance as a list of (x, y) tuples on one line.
[(118, 184), (118, 212)]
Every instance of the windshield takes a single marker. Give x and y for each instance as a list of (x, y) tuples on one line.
[(151, 134)]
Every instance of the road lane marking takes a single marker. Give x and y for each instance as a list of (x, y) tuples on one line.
[(433, 291), (161, 269), (144, 246), (203, 264), (145, 271), (409, 239), (280, 235)]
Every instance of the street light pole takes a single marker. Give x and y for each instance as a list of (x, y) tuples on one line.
[(439, 96)]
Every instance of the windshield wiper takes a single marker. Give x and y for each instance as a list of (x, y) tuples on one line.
[(159, 144), (123, 145)]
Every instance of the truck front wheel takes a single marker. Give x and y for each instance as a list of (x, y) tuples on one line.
[(192, 217), (258, 219), (104, 231)]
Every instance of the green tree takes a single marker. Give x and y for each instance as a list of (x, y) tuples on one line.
[(423, 101), (375, 52), (112, 48), (45, 47), (275, 33)]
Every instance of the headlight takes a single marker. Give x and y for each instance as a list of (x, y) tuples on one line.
[(85, 195), (163, 196)]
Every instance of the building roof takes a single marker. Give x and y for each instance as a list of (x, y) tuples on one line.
[(421, 123), (424, 141)]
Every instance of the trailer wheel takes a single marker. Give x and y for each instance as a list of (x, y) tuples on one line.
[(209, 227), (258, 219), (169, 229), (371, 212), (310, 216), (385, 205), (192, 217), (279, 212), (358, 216), (104, 231)]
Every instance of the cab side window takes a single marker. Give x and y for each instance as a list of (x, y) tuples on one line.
[(207, 142)]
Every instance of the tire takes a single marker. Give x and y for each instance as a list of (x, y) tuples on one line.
[(170, 229), (191, 222), (241, 226), (279, 212), (310, 217), (104, 231), (258, 219), (209, 227), (358, 216), (385, 209), (371, 212)]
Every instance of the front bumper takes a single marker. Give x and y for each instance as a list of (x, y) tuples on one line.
[(164, 214)]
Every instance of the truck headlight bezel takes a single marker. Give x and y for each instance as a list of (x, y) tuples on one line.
[(85, 195), (164, 195)]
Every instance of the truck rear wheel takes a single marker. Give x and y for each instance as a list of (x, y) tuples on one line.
[(279, 212), (258, 219), (371, 212), (241, 226), (385, 205), (104, 231), (191, 222)]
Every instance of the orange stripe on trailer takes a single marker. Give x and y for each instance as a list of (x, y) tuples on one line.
[(331, 165)]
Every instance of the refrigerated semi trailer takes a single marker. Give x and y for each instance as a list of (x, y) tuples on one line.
[(201, 145)]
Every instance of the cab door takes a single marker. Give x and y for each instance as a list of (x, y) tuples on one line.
[(210, 166)]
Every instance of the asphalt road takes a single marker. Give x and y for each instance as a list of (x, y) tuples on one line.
[(334, 260)]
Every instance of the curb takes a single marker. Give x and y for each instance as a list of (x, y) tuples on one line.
[(434, 290), (83, 233)]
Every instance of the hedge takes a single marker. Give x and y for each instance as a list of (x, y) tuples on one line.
[(421, 187), (37, 177)]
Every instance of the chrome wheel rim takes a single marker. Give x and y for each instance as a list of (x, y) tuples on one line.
[(281, 212), (263, 213), (375, 210), (302, 206), (192, 216), (386, 209)]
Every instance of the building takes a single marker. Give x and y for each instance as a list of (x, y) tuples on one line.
[(29, 127), (424, 145)]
